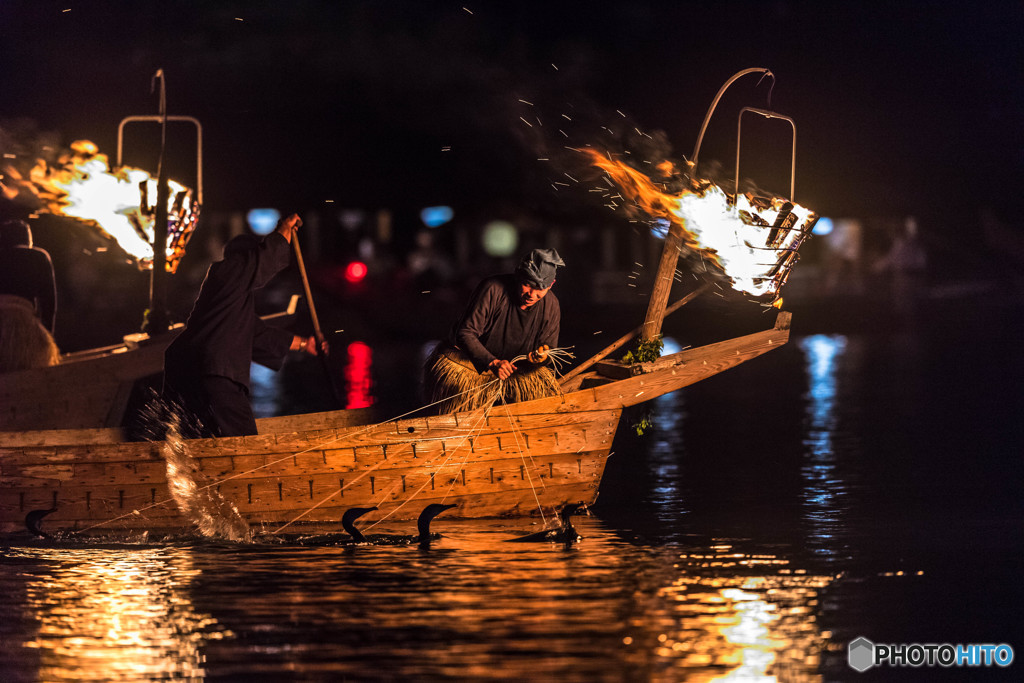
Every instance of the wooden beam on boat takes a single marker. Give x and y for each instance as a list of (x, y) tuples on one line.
[(567, 379), (662, 283)]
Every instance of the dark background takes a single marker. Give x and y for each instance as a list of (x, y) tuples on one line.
[(910, 107)]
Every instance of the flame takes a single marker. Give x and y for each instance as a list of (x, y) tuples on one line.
[(81, 185), (752, 240)]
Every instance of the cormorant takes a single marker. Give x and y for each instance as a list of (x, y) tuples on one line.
[(424, 537), (563, 534), (34, 519)]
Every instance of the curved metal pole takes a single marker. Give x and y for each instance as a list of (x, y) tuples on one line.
[(792, 166), (707, 117), (159, 321), (199, 144)]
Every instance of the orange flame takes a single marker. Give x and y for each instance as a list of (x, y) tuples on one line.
[(752, 240), (81, 185)]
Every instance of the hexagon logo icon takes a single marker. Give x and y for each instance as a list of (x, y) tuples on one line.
[(860, 654)]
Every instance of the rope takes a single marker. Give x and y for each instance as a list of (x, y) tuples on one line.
[(526, 467), (384, 493), (483, 419), (268, 464), (558, 357)]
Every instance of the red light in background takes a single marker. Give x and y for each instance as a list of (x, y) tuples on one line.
[(355, 272), (358, 378)]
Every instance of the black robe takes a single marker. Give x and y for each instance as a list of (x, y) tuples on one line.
[(223, 335), (493, 325)]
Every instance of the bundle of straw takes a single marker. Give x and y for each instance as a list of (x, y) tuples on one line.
[(453, 384), (24, 342)]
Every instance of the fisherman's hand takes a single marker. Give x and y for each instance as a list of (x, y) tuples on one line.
[(540, 355), (502, 368), (308, 345), (288, 226)]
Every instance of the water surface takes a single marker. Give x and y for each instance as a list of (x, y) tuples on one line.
[(846, 485)]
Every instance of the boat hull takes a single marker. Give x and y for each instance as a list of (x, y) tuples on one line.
[(490, 465), (508, 460), (85, 390)]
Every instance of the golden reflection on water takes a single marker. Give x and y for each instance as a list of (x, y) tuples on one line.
[(113, 615), (471, 607), (730, 616)]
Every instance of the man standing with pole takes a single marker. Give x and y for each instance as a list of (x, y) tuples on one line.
[(206, 368)]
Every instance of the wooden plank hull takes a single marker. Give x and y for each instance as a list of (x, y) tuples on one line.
[(509, 460), (86, 390)]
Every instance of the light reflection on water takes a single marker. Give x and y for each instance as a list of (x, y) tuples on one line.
[(822, 486), (93, 614), (668, 414), (471, 607), (725, 555)]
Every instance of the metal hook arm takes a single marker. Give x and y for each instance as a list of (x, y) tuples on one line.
[(707, 117)]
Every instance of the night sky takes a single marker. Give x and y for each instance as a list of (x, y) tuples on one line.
[(900, 107)]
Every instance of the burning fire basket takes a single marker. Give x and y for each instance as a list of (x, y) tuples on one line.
[(183, 212)]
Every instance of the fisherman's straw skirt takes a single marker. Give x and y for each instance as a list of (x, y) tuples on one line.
[(24, 342), (453, 384)]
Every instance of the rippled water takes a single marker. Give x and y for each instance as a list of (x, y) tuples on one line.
[(473, 606), (843, 486)]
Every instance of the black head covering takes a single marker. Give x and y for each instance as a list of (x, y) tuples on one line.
[(15, 233), (537, 268)]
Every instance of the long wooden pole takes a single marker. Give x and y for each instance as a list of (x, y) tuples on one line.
[(317, 332), (618, 343)]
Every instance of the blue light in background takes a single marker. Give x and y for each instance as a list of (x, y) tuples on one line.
[(263, 221), (659, 227), (823, 226), (434, 216)]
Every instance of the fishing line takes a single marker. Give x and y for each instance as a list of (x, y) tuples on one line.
[(526, 467), (318, 446), (368, 471), (475, 430)]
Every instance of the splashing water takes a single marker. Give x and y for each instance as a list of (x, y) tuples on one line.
[(199, 502)]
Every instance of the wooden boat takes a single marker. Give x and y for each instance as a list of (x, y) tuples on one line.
[(508, 460), (87, 389)]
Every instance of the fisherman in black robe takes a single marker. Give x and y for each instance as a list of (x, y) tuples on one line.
[(28, 301), (509, 317), (206, 368)]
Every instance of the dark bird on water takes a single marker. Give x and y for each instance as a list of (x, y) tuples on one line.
[(566, 533), (423, 523), (34, 519), (354, 535), (348, 522)]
